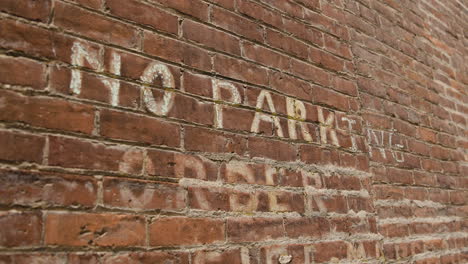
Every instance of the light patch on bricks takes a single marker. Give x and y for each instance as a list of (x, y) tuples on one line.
[(296, 109)]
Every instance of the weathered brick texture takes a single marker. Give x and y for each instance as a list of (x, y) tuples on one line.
[(233, 131)]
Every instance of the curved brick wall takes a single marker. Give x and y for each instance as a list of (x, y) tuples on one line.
[(233, 131)]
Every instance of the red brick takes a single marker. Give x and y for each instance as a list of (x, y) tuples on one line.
[(272, 149), (316, 155), (176, 51), (25, 188), (195, 8), (340, 181), (325, 251), (211, 37), (240, 70), (293, 87), (304, 32), (204, 140), (257, 11), (86, 229), (142, 195), (287, 44), (229, 4), (312, 4), (95, 4), (287, 6), (171, 231), (254, 229), (91, 258), (388, 192), (76, 153), (26, 38), (190, 109), (307, 227), (328, 203), (126, 126), (310, 73), (197, 84), (144, 14), (236, 24), (46, 112), (345, 86), (335, 46), (23, 72), (19, 147), (265, 56), (237, 119), (20, 228), (90, 25), (331, 98), (30, 9), (394, 230)]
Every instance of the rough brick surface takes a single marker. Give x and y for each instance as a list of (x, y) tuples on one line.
[(233, 131)]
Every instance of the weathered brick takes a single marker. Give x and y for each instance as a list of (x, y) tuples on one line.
[(83, 229), (77, 153), (43, 189), (142, 195), (30, 9), (307, 227), (19, 147), (205, 140), (20, 229), (172, 231), (126, 126), (23, 72), (46, 112), (172, 164), (261, 147), (254, 229)]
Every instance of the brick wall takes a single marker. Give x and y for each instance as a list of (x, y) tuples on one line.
[(233, 131)]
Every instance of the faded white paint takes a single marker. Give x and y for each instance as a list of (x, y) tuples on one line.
[(153, 71), (183, 162), (250, 206), (259, 116), (378, 138), (235, 99), (297, 110), (326, 127), (79, 54), (238, 168), (351, 122)]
